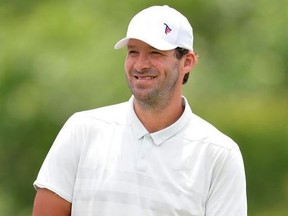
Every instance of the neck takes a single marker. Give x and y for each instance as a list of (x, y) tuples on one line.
[(157, 118)]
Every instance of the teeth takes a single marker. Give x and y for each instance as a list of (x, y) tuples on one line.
[(146, 77)]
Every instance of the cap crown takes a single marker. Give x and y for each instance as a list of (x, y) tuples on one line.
[(161, 27)]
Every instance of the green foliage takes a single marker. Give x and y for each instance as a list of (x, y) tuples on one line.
[(57, 57)]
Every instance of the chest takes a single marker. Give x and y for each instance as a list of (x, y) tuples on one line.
[(120, 173)]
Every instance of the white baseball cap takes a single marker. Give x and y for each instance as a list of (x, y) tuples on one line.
[(162, 27)]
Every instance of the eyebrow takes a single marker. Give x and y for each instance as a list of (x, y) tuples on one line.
[(151, 48), (131, 46)]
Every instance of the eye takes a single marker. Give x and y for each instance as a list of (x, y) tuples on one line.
[(155, 52), (132, 52)]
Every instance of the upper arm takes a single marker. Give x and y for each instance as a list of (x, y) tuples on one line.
[(228, 189), (48, 203)]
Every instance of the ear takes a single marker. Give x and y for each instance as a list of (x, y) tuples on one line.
[(190, 60)]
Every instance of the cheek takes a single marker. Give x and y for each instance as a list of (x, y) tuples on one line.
[(127, 65)]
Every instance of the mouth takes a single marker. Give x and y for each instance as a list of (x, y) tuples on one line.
[(144, 77)]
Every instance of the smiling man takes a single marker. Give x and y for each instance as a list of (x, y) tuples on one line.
[(155, 78), (150, 155)]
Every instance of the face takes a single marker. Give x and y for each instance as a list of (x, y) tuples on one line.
[(154, 77)]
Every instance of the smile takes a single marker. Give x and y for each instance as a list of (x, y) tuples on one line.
[(144, 77)]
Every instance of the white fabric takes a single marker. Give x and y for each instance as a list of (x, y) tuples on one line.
[(162, 27), (106, 163)]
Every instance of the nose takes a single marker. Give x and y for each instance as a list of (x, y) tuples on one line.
[(142, 62)]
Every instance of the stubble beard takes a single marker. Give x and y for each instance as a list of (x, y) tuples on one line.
[(156, 98)]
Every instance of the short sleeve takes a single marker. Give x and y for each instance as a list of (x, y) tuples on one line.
[(59, 168), (227, 194)]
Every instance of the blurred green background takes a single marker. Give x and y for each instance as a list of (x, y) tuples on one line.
[(57, 57)]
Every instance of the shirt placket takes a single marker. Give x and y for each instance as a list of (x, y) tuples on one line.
[(144, 153)]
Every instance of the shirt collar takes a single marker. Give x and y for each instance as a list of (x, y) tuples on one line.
[(137, 126), (160, 136)]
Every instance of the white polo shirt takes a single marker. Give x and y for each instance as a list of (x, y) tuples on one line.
[(106, 163)]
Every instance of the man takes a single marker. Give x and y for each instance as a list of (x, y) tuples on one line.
[(150, 155)]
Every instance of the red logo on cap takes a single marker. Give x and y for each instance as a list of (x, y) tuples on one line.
[(167, 29)]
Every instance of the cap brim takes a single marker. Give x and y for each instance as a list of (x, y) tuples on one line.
[(121, 43), (160, 45)]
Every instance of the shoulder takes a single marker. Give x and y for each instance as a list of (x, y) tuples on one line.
[(201, 130), (110, 114)]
